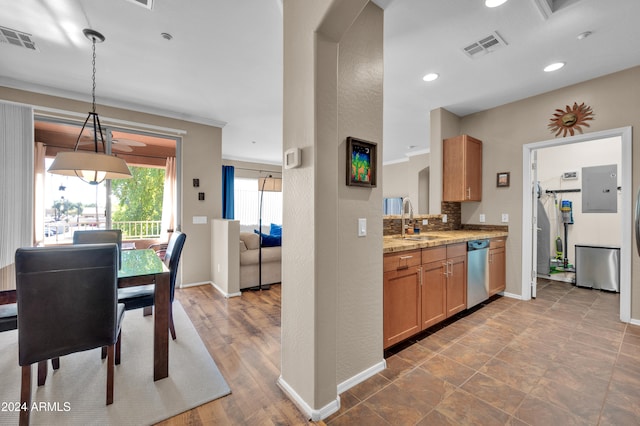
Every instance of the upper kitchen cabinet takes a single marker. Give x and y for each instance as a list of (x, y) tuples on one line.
[(462, 169)]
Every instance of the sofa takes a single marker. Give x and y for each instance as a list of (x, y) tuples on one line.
[(249, 255)]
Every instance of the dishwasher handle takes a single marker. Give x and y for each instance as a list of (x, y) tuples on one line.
[(477, 245)]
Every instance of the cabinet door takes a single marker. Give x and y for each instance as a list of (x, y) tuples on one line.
[(434, 293), (456, 285), (497, 270), (401, 305), (453, 181), (462, 169), (473, 169)]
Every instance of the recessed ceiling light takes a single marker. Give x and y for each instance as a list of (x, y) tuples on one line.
[(494, 3), (430, 77), (554, 67)]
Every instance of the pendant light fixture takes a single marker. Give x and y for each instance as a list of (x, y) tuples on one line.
[(92, 167)]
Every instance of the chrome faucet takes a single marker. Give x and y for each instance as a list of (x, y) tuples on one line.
[(406, 201)]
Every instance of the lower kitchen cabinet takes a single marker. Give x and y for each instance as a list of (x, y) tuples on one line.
[(419, 294), (456, 278), (434, 292), (401, 296), (497, 266)]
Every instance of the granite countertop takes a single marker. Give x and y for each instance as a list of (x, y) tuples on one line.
[(395, 243)]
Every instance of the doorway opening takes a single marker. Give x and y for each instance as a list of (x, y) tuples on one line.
[(530, 216)]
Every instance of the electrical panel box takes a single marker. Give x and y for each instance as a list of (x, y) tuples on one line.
[(600, 189)]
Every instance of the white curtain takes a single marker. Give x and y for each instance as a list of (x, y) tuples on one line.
[(169, 208), (38, 207), (16, 185)]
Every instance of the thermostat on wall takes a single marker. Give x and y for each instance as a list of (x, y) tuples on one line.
[(292, 158)]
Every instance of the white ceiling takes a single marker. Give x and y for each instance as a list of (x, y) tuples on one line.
[(224, 63)]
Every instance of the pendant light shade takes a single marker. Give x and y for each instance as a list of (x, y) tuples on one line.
[(92, 167)]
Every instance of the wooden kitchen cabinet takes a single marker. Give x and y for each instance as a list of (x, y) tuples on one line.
[(434, 286), (422, 288), (497, 266), (444, 282), (401, 296), (462, 169), (456, 278)]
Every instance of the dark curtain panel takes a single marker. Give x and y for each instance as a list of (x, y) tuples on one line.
[(227, 192)]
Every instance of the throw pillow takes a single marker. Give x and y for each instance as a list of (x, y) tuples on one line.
[(269, 240), (276, 230)]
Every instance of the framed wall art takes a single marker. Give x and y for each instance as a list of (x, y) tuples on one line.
[(502, 180), (361, 162)]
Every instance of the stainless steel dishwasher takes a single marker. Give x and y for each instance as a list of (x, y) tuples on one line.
[(477, 272)]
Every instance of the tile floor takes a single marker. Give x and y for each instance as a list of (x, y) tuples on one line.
[(561, 359)]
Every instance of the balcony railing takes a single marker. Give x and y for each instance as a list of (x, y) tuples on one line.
[(141, 229)]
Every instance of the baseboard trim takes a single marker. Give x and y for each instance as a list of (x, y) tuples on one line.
[(314, 415), (224, 293), (512, 295), (333, 406), (362, 376), (195, 284), (634, 321)]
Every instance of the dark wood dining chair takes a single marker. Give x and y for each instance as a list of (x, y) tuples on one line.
[(143, 296), (67, 302), (100, 236)]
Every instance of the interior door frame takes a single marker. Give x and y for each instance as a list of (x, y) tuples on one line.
[(625, 133)]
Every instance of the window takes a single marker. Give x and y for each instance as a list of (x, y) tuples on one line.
[(247, 205), (133, 205)]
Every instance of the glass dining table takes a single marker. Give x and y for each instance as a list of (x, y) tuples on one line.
[(143, 267)]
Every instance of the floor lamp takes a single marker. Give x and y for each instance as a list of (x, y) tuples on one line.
[(269, 184)]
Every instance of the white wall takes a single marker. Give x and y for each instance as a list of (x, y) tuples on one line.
[(588, 228)]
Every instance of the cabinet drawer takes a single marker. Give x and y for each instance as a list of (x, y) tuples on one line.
[(434, 254), (402, 260), (497, 243), (455, 250)]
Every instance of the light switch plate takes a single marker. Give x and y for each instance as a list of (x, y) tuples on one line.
[(505, 217), (483, 218), (362, 227)]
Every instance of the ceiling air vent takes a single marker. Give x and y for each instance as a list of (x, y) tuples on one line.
[(17, 38), (144, 3), (485, 45)]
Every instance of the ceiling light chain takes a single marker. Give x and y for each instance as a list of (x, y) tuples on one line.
[(92, 167), (93, 77)]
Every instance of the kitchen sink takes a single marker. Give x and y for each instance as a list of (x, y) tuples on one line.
[(420, 237)]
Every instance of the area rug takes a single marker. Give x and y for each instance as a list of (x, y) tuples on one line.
[(75, 394)]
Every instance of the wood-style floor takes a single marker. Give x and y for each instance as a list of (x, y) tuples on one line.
[(561, 359), (242, 335)]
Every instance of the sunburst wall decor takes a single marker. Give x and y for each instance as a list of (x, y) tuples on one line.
[(571, 120)]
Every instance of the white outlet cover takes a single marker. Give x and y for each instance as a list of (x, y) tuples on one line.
[(483, 218), (444, 218), (505, 217), (425, 221)]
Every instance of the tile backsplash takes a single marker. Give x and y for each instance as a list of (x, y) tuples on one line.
[(392, 223)]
